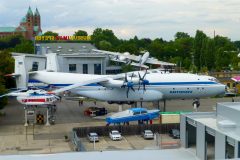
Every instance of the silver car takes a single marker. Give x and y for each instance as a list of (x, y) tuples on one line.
[(147, 134), (92, 136)]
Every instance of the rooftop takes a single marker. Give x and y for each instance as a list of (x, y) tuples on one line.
[(68, 48), (225, 120), (180, 154), (7, 29)]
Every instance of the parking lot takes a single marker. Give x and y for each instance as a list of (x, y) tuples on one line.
[(134, 142)]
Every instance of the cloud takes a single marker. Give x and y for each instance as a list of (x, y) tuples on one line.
[(151, 18)]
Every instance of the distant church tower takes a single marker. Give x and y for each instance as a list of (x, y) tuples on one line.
[(37, 19), (30, 25)]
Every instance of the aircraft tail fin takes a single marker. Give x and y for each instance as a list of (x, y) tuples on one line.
[(20, 72), (52, 62)]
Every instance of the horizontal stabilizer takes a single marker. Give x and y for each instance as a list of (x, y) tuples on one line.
[(12, 75)]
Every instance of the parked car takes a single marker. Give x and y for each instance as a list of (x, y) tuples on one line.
[(115, 135), (147, 134), (95, 111), (91, 136), (175, 133)]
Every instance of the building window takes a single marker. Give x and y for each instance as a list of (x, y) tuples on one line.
[(72, 68), (35, 66), (97, 68), (85, 68)]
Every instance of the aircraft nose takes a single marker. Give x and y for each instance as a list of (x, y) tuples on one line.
[(223, 89)]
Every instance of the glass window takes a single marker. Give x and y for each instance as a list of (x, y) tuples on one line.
[(72, 68), (97, 68), (35, 66), (85, 68)]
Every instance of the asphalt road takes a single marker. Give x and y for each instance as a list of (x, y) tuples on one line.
[(70, 112)]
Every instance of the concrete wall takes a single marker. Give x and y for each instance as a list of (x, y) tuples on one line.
[(224, 112), (29, 62), (79, 61), (201, 142), (183, 137)]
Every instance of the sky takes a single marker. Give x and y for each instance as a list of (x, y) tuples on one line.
[(127, 18)]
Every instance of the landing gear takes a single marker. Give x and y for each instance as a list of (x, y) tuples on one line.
[(196, 104)]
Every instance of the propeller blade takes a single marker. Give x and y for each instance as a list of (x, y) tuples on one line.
[(133, 89), (126, 77), (144, 74), (139, 85), (127, 92), (132, 76), (139, 82)]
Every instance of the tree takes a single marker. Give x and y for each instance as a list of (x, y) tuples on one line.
[(105, 45), (3, 101), (199, 47), (6, 67), (180, 35), (100, 34), (80, 33), (10, 42), (25, 47), (50, 33), (128, 47)]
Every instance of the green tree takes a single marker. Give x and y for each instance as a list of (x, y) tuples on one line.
[(80, 33), (199, 48), (50, 33), (100, 34), (3, 100), (128, 47), (180, 35), (7, 67), (25, 47), (105, 45), (127, 68)]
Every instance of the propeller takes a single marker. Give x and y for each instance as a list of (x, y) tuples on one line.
[(143, 81), (128, 84)]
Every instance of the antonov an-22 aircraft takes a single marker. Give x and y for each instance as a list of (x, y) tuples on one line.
[(135, 86)]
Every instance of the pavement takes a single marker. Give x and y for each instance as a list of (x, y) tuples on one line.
[(17, 139)]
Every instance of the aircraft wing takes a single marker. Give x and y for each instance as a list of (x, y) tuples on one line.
[(133, 57), (139, 65), (129, 56), (155, 61), (107, 52), (97, 80)]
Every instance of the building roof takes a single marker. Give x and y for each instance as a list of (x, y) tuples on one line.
[(36, 12), (23, 20), (7, 29), (223, 121), (180, 154), (68, 48), (29, 12)]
